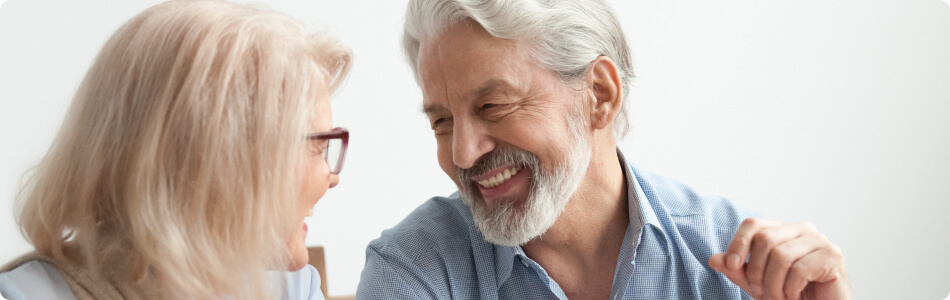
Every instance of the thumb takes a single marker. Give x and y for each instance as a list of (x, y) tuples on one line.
[(718, 262)]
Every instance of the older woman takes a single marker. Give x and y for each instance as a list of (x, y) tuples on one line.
[(197, 143)]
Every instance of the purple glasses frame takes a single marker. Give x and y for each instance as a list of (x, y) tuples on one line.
[(337, 133)]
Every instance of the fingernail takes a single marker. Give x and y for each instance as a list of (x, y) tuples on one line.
[(732, 261)]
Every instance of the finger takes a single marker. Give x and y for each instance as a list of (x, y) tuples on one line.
[(764, 241), (741, 243), (821, 266), (781, 259), (718, 263)]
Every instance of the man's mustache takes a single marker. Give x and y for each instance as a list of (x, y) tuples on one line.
[(496, 158)]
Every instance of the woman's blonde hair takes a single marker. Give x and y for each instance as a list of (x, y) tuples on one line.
[(180, 146)]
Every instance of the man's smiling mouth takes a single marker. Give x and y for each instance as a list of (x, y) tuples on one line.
[(497, 177)]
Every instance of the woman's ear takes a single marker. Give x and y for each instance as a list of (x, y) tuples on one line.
[(604, 84)]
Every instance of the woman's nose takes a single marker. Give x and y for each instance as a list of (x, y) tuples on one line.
[(334, 180)]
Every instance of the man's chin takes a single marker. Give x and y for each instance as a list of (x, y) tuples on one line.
[(506, 238), (513, 204), (509, 226), (509, 221)]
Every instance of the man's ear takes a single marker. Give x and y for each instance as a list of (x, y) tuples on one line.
[(604, 85)]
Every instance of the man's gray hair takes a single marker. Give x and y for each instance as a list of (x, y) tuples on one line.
[(565, 36)]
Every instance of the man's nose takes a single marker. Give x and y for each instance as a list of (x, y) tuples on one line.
[(469, 142)]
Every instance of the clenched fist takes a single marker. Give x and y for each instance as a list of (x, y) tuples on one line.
[(785, 261)]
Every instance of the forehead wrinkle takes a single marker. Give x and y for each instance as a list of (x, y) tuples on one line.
[(445, 80), (489, 87), (435, 49), (479, 49)]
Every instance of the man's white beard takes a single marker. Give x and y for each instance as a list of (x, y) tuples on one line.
[(510, 224)]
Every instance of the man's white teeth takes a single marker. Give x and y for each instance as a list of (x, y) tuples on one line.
[(310, 212), (499, 178)]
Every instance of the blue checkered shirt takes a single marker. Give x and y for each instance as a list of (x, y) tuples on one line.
[(438, 253)]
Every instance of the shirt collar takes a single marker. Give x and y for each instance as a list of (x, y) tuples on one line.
[(504, 259), (637, 201), (638, 206)]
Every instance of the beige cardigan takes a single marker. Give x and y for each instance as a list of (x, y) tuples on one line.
[(110, 283)]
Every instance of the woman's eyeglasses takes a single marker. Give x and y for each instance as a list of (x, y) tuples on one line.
[(337, 140)]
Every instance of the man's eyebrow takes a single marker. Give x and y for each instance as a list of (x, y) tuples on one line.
[(430, 108), (487, 88)]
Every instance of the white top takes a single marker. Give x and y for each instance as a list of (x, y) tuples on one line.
[(39, 280)]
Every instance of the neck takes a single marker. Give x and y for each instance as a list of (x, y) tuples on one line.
[(595, 219)]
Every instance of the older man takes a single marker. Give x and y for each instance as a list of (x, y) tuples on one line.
[(526, 99)]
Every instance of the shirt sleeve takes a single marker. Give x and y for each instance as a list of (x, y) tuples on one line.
[(9, 290), (380, 280), (34, 280)]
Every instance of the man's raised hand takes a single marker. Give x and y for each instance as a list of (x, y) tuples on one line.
[(785, 261)]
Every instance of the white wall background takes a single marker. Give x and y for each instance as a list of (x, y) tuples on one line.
[(833, 111)]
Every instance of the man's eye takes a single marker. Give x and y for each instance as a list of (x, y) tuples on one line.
[(495, 111), (442, 126), (438, 122), (495, 108)]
